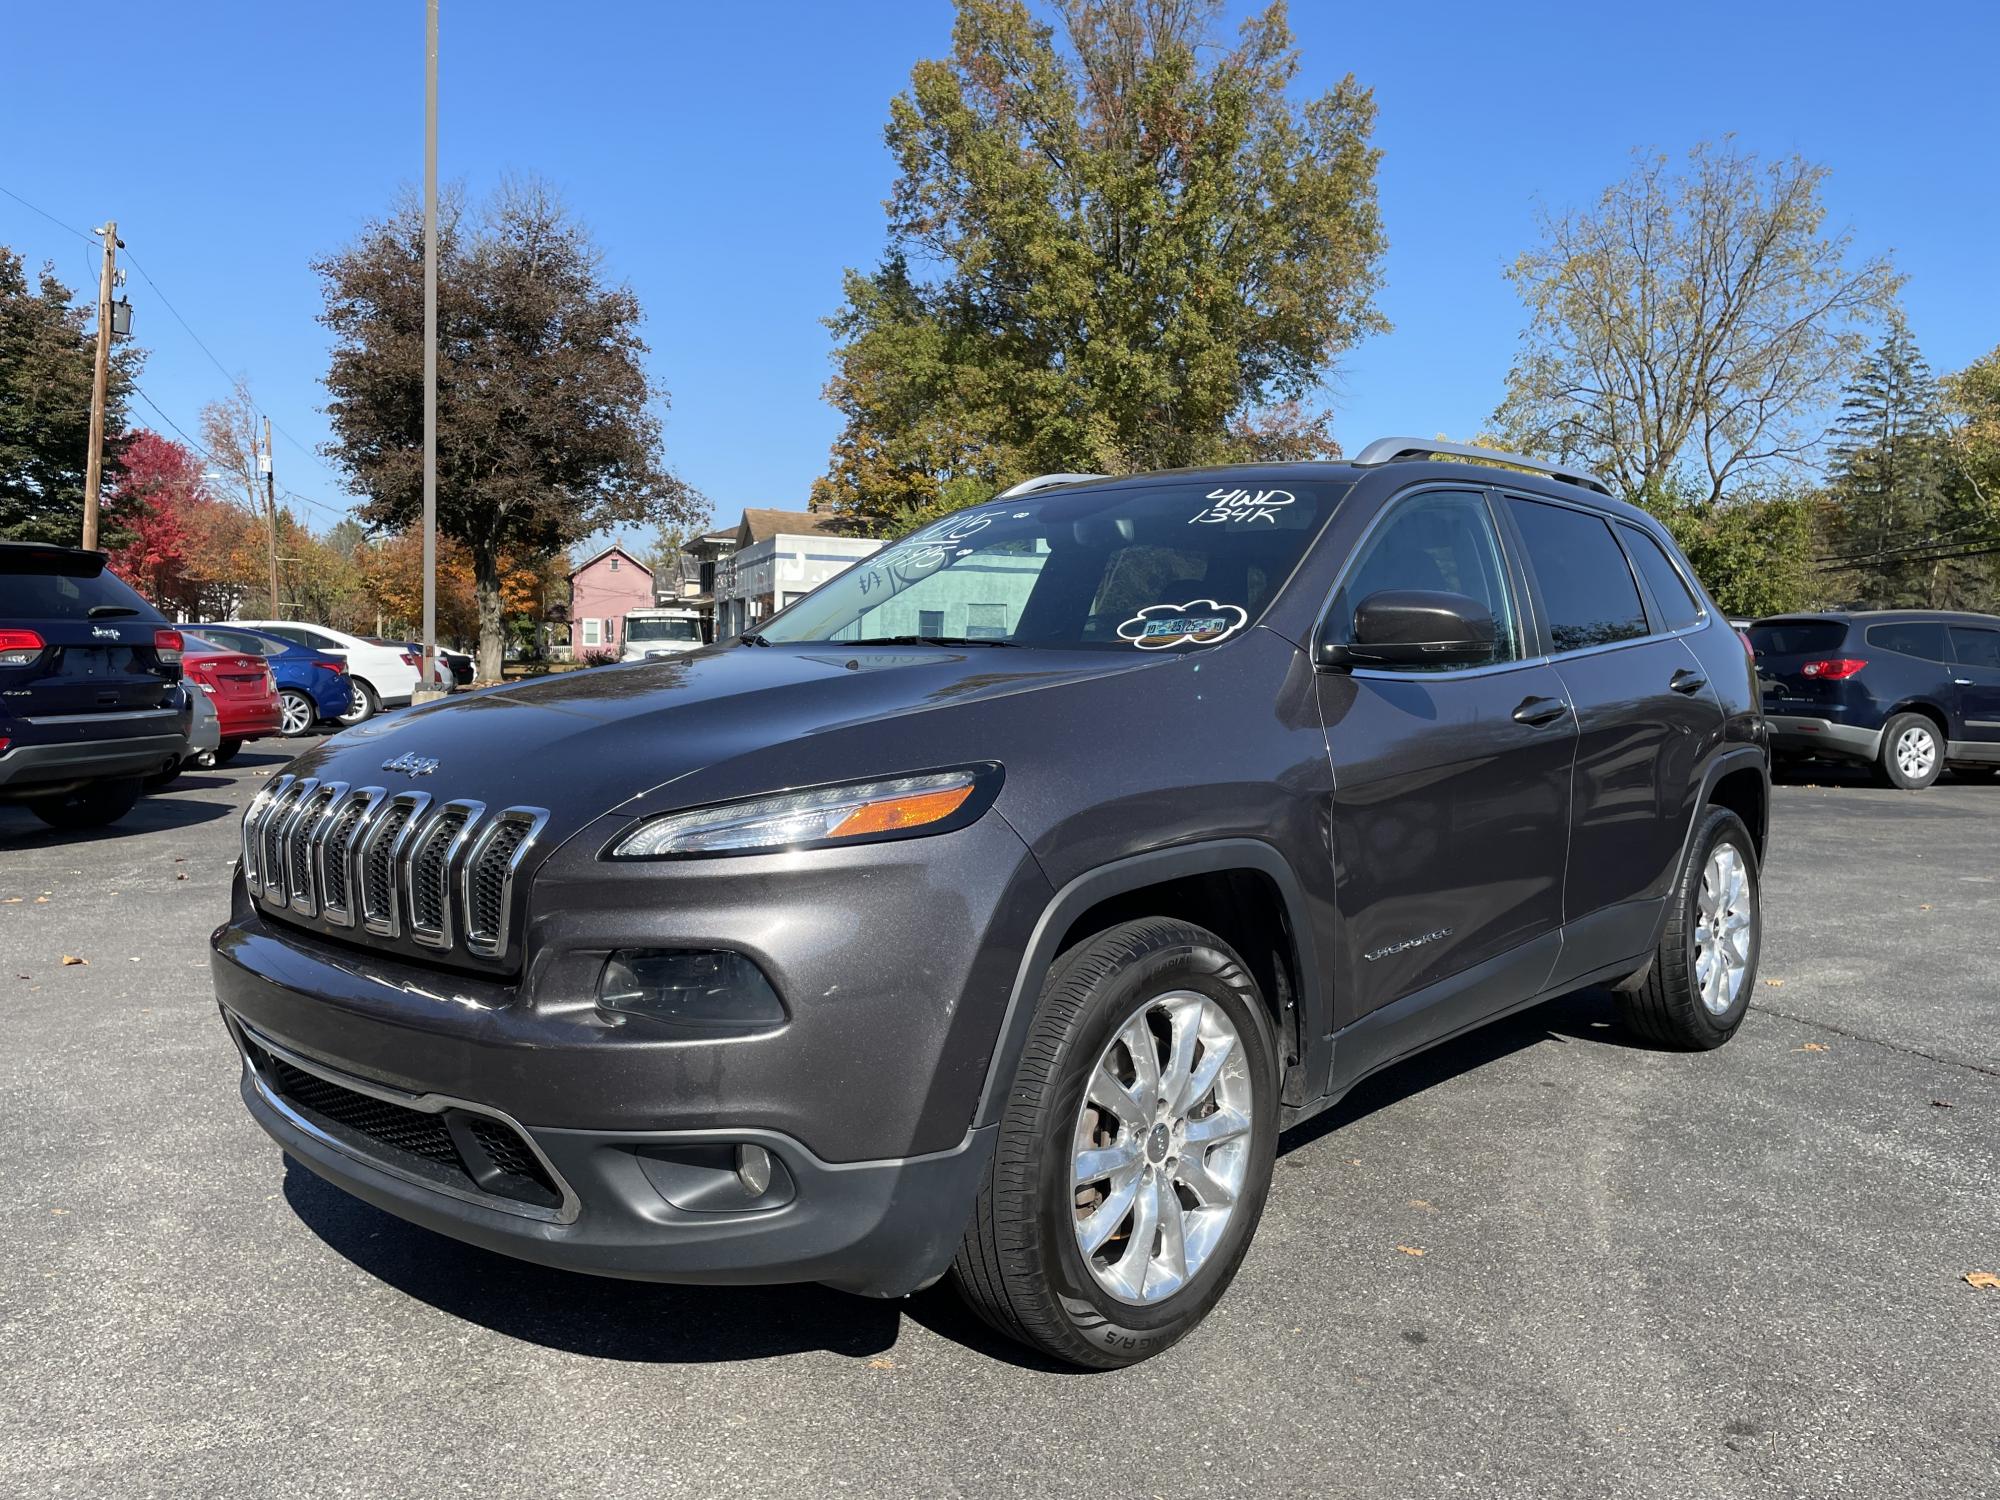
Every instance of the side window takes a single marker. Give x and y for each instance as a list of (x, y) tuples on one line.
[(285, 633), (1976, 647), (1587, 586), (1924, 638), (1670, 590), (1442, 540)]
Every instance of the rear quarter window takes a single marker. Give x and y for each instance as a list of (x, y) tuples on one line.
[(1910, 638), (1678, 608)]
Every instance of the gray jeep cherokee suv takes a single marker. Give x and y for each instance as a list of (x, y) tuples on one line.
[(991, 909)]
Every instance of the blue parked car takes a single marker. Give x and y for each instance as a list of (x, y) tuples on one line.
[(1908, 691), (312, 685)]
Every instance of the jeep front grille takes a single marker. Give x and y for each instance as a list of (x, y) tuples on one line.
[(402, 864)]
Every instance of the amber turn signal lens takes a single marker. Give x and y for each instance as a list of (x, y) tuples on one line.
[(899, 813)]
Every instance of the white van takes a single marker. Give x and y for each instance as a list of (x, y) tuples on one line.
[(661, 632)]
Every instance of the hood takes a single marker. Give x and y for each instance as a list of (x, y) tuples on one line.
[(584, 742)]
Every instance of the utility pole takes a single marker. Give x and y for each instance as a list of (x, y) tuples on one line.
[(93, 473), (425, 689), (264, 462)]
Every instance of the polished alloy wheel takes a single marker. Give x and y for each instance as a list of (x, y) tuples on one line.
[(1916, 752), (295, 713), (1162, 1143), (1725, 921)]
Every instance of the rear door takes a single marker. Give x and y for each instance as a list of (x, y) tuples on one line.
[(1451, 788), (99, 672), (1977, 681), (1645, 717)]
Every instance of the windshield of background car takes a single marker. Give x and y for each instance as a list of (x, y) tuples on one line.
[(661, 630), (1140, 568)]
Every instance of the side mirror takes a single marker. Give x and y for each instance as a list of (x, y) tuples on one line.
[(1414, 628)]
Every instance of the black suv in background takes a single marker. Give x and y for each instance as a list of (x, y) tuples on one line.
[(1907, 691), (991, 909), (91, 701)]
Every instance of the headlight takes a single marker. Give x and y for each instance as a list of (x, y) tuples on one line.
[(858, 813)]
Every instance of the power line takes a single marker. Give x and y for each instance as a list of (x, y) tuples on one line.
[(133, 260), (222, 464), (70, 228)]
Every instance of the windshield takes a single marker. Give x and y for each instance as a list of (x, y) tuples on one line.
[(637, 629), (1144, 568)]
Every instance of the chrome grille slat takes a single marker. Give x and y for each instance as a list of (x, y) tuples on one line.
[(404, 865)]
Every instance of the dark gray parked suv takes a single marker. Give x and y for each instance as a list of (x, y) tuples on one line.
[(991, 909)]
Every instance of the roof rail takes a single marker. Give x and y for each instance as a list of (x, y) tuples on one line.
[(1043, 482), (1390, 449)]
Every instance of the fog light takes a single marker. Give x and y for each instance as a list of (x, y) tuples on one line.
[(753, 1170), (716, 991)]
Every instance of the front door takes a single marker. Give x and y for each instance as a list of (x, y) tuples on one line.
[(1976, 677), (1450, 809)]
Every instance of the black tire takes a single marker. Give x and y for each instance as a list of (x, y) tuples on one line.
[(92, 806), (224, 753), (365, 706), (1019, 1265), (1667, 1007), (1906, 740), (299, 713)]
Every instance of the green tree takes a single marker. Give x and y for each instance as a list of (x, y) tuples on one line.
[(47, 357), (1889, 482), (548, 424), (1692, 326), (1754, 553), (1136, 250)]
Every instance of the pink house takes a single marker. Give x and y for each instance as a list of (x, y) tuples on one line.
[(601, 593)]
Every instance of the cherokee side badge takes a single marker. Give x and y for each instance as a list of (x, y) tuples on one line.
[(411, 764)]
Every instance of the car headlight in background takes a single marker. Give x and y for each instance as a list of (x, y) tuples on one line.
[(857, 813)]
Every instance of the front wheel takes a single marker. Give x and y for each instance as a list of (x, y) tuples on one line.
[(1134, 1152), (1697, 990)]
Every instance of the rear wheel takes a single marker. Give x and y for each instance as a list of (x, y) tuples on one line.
[(1135, 1149), (1912, 754), (91, 806), (296, 713), (1697, 989), (160, 780), (225, 752), (364, 704)]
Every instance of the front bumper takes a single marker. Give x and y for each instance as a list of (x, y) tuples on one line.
[(875, 1228), (1809, 735)]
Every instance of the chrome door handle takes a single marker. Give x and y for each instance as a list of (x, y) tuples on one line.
[(1540, 710), (1685, 681), (1961, 682)]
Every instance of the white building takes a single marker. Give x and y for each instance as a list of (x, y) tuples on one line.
[(780, 555)]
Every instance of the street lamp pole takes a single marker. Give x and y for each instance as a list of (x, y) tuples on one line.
[(430, 344)]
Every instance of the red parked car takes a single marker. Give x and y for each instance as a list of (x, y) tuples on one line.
[(241, 688)]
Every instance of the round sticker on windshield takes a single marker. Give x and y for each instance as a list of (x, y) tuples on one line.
[(1159, 627)]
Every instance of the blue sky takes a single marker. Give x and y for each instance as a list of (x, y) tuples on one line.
[(729, 159)]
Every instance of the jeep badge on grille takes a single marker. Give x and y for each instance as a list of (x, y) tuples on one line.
[(411, 764)]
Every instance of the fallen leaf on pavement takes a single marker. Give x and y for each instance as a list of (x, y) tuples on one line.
[(881, 1364), (180, 875), (71, 958), (1410, 1250), (10, 901), (1774, 983), (1941, 1104), (1925, 907), (41, 900), (1428, 1208), (1811, 1047), (1984, 1280)]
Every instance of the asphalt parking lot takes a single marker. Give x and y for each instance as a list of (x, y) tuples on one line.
[(1737, 1274)]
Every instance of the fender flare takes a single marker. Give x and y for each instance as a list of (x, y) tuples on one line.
[(1129, 874), (1721, 764)]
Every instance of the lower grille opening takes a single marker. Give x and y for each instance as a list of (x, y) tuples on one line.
[(455, 1146)]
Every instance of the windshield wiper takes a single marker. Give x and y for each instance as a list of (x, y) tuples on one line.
[(751, 638), (106, 611), (928, 640)]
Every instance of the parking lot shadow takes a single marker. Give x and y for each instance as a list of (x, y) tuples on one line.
[(640, 1321), (156, 813)]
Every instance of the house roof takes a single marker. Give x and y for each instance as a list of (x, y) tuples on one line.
[(757, 524), (614, 547)]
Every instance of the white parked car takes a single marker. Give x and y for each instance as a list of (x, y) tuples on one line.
[(383, 676), (667, 631)]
